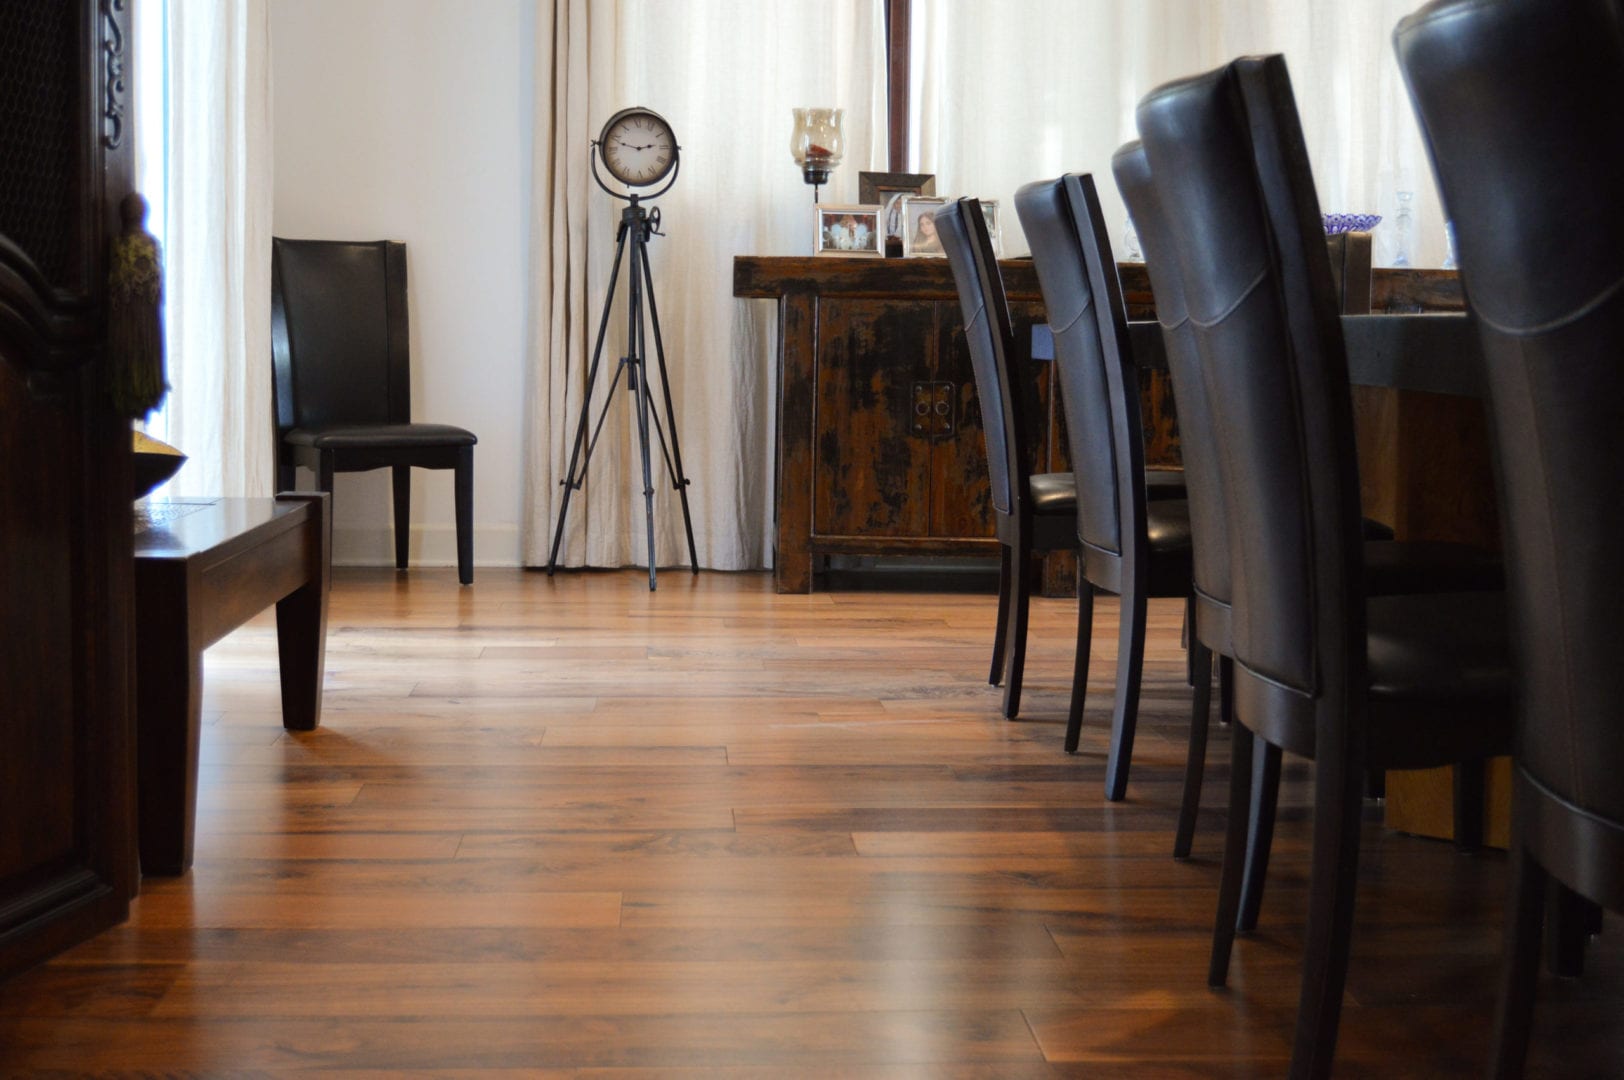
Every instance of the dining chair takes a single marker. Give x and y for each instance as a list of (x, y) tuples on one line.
[(1391, 567), (1321, 670), (1034, 512), (340, 350), (1509, 96), (1135, 548)]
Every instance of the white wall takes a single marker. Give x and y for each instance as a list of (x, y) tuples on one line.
[(409, 120)]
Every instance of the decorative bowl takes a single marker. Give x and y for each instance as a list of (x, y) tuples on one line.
[(1341, 223), (154, 462)]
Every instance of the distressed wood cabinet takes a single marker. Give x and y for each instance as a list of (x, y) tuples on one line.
[(880, 448)]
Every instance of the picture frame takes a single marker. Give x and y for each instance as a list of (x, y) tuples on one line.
[(851, 229), (887, 189), (919, 239), (989, 210)]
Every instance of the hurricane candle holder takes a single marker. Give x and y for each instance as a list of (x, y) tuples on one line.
[(817, 144)]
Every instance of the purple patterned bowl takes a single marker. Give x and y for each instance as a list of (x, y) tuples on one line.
[(1341, 223)]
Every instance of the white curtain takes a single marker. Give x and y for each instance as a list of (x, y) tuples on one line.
[(218, 245), (725, 74), (1024, 89)]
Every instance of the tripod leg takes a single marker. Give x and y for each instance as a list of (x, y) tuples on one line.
[(571, 481), (638, 374), (678, 480)]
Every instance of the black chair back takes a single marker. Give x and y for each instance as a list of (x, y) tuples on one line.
[(339, 338), (1198, 445), (1520, 106), (1251, 248), (988, 332), (1099, 388)]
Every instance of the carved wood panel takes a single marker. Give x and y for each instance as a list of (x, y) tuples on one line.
[(67, 828)]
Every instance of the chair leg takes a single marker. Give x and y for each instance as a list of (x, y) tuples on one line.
[(1195, 759), (1567, 930), (1020, 562), (1468, 792), (403, 512), (1260, 833), (1079, 667), (287, 476), (324, 474), (1187, 640), (1226, 690), (1229, 885), (1519, 966), (1125, 713), (996, 676), (1338, 800), (463, 484)]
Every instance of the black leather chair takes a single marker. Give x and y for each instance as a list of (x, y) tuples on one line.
[(1392, 567), (341, 352), (1320, 669), (1519, 106), (1034, 512), (1129, 546)]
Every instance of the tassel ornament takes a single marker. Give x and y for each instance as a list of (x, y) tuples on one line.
[(135, 337)]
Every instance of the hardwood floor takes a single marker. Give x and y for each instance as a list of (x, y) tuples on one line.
[(566, 828)]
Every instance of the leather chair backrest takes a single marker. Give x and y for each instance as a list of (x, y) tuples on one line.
[(1198, 445), (1097, 382), (1228, 161), (988, 332), (339, 337), (1521, 106)]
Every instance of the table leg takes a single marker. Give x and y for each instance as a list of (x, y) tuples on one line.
[(301, 625), (169, 693)]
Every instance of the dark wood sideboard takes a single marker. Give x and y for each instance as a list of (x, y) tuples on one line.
[(880, 449)]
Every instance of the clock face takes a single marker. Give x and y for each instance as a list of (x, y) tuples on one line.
[(637, 147)]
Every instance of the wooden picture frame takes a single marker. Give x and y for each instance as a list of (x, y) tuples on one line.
[(848, 229)]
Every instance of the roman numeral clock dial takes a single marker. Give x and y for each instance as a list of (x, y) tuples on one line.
[(637, 148)]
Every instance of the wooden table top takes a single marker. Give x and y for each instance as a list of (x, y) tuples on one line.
[(183, 528)]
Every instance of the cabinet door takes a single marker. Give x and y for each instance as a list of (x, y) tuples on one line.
[(872, 475), (961, 495), (67, 853)]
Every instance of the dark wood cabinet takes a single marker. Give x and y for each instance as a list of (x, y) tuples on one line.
[(880, 448), (67, 822)]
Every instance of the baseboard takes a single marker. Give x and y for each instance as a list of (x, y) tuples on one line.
[(431, 545)]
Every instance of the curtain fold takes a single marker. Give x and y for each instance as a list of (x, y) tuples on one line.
[(1073, 70), (218, 246), (725, 74)]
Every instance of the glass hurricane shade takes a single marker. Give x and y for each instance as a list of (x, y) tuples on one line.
[(817, 143)]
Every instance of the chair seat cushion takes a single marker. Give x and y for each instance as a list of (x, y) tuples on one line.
[(1167, 525), (1053, 493), (372, 436), (1056, 493), (1398, 567), (1444, 646)]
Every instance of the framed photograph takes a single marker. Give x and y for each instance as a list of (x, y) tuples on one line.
[(887, 189), (919, 239), (989, 210), (848, 230)]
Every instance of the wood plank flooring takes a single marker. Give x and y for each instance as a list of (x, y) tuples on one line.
[(569, 828)]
